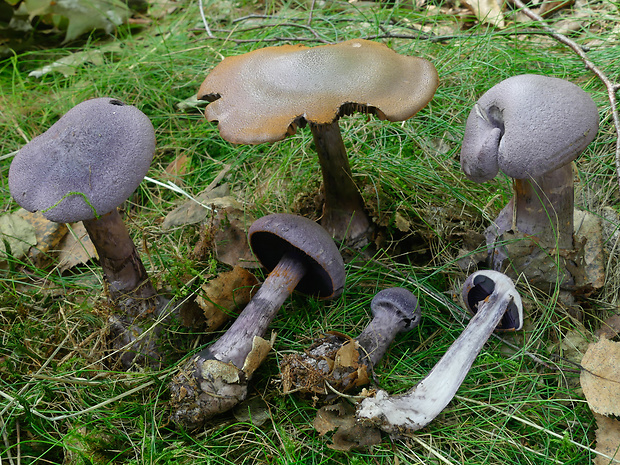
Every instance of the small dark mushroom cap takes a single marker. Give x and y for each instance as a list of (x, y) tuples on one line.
[(401, 304), (480, 285), (261, 96), (526, 126), (85, 165), (272, 236)]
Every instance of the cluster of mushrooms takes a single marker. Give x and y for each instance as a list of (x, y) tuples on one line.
[(530, 127)]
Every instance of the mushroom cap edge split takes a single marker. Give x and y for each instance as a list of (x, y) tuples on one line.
[(261, 95), (527, 125), (86, 164), (274, 235)]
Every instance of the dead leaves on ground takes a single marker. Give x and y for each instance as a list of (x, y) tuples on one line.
[(600, 381), (31, 238)]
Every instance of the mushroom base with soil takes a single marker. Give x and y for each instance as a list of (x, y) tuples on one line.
[(546, 238)]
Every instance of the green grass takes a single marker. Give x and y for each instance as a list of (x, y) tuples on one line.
[(61, 403)]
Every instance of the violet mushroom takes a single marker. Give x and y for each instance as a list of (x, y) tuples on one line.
[(264, 95), (345, 363), (497, 305), (301, 256), (81, 169), (531, 128)]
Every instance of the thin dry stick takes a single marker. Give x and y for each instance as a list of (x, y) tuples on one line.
[(204, 19), (611, 87)]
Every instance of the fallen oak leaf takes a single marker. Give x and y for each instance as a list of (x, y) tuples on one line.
[(600, 377), (607, 440)]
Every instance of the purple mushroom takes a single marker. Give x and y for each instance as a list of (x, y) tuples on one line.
[(496, 304), (301, 256), (345, 363), (531, 128), (81, 169)]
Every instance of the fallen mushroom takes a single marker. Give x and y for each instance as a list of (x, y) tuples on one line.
[(300, 256), (531, 128), (497, 305), (264, 95), (344, 363), (81, 169)]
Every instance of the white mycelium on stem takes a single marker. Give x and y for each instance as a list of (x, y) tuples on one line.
[(417, 408)]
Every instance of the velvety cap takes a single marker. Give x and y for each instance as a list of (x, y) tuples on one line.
[(400, 303), (527, 125), (87, 164)]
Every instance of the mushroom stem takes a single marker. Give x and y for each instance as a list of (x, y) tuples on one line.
[(235, 345), (131, 292), (331, 361), (215, 379), (417, 408), (128, 283), (544, 207), (377, 337), (343, 211)]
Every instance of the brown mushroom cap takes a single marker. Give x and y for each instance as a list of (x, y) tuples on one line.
[(260, 96)]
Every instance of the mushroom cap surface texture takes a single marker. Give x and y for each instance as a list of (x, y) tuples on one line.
[(400, 303), (261, 96), (86, 164), (272, 236), (480, 285), (526, 126)]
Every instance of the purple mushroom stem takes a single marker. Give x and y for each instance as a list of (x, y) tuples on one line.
[(395, 310), (544, 207), (330, 364), (235, 345), (493, 297), (301, 256), (343, 210), (128, 283)]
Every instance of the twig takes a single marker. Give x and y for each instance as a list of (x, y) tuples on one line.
[(611, 87), (204, 19)]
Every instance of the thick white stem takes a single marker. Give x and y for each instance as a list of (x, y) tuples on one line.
[(417, 408)]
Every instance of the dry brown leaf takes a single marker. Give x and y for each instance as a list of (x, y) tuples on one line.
[(610, 328), (16, 233), (48, 234), (178, 167), (75, 248), (600, 377), (487, 11), (349, 434), (607, 440), (347, 356), (260, 350), (254, 411), (226, 295)]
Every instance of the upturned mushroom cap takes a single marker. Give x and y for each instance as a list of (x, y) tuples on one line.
[(480, 285), (85, 165), (400, 304), (272, 236), (260, 96), (526, 126)]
